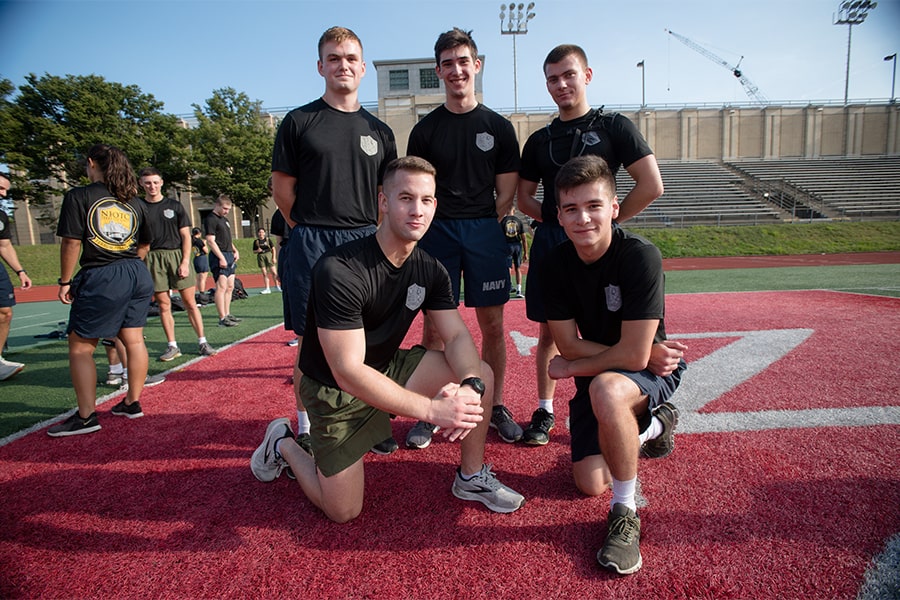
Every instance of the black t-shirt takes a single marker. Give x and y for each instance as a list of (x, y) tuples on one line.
[(625, 284), (109, 230), (279, 227), (166, 218), (609, 135), (264, 244), (338, 159), (219, 227), (468, 150), (199, 245), (5, 231), (513, 228), (355, 286)]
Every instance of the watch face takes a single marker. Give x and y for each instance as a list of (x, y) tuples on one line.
[(475, 383)]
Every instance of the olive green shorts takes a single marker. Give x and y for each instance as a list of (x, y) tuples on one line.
[(342, 427), (163, 265)]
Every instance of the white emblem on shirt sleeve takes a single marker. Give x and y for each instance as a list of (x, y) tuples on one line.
[(415, 296)]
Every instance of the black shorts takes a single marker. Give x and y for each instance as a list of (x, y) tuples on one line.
[(583, 423), (546, 238), (218, 271), (110, 298), (7, 291)]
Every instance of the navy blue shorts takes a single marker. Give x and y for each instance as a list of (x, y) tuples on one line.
[(110, 298), (546, 238), (583, 423), (7, 292), (515, 254), (218, 271), (476, 250), (201, 264), (306, 245)]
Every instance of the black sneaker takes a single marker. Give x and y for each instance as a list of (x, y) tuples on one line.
[(538, 432), (304, 442), (663, 445), (502, 421), (75, 425), (388, 446), (420, 435), (132, 411), (621, 551)]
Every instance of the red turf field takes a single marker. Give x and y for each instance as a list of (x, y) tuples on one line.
[(784, 482)]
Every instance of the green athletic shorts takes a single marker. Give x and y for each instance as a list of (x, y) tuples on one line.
[(342, 427), (264, 259), (163, 265)]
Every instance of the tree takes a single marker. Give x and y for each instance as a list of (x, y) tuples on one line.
[(54, 120), (232, 149)]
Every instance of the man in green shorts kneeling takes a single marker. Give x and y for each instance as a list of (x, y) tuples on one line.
[(364, 297)]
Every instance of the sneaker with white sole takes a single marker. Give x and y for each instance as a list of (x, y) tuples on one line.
[(538, 431), (206, 349), (621, 551), (385, 447), (266, 464), (502, 421), (662, 446), (150, 381), (171, 353), (9, 368), (75, 425), (419, 436), (266, 291), (113, 378), (132, 411), (487, 489)]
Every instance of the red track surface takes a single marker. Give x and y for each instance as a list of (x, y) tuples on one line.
[(166, 507)]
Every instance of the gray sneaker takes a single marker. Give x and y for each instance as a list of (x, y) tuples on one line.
[(171, 353), (113, 378), (232, 318), (662, 446), (487, 489), (266, 464), (227, 323), (502, 421), (206, 349), (621, 551), (9, 368), (150, 381), (420, 435)]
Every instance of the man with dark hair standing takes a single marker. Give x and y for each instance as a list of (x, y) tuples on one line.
[(8, 368), (364, 297), (327, 165), (578, 130), (604, 296), (476, 154), (169, 261), (517, 247), (223, 256)]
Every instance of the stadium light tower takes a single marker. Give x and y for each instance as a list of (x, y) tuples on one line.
[(517, 25), (893, 57), (850, 13)]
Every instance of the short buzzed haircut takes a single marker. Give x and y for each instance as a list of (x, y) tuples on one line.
[(149, 171), (337, 35), (223, 198), (562, 51), (412, 164), (583, 170), (452, 39)]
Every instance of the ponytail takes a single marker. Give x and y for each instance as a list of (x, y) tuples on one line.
[(118, 175)]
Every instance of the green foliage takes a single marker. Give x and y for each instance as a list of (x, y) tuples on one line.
[(232, 149), (54, 120)]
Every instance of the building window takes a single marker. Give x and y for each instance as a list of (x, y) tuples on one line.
[(399, 80), (428, 79)]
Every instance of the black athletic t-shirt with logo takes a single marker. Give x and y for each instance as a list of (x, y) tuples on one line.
[(468, 150), (356, 287), (513, 228), (109, 230), (609, 135), (219, 227), (166, 218), (338, 159)]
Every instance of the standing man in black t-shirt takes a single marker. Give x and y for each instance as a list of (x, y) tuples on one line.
[(579, 129), (327, 165), (8, 368), (476, 154), (604, 296), (170, 262), (364, 297), (517, 246), (224, 256)]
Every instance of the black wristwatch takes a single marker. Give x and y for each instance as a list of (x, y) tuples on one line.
[(61, 282), (20, 271), (475, 383)]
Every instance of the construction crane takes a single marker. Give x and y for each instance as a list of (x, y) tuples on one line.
[(748, 85)]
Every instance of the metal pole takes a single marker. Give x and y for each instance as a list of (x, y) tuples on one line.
[(515, 78), (847, 73), (893, 57)]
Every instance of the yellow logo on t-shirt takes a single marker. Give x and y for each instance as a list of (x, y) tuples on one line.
[(112, 224)]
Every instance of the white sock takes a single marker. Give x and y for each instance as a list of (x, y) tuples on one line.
[(116, 369), (623, 493), (302, 422), (125, 373), (173, 344), (546, 405), (654, 431), (201, 340)]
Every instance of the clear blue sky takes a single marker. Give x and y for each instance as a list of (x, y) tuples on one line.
[(180, 51)]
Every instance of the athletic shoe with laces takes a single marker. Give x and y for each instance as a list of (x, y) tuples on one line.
[(206, 350), (233, 318), (150, 381), (385, 447), (487, 489), (75, 425), (132, 411), (293, 342), (538, 432), (502, 421), (226, 323), (9, 368), (621, 551), (662, 446), (420, 435), (265, 292), (305, 444), (113, 378), (171, 353), (266, 464)]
